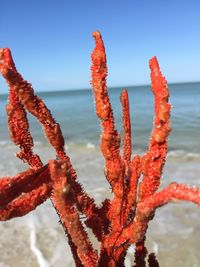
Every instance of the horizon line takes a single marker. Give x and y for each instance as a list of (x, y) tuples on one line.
[(110, 87)]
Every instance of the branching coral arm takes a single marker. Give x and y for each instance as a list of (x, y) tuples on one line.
[(86, 205), (36, 106), (124, 219), (63, 200), (25, 203), (110, 139), (11, 188), (19, 130), (22, 91), (136, 230), (132, 171), (173, 192), (23, 193), (32, 103), (153, 161), (17, 121)]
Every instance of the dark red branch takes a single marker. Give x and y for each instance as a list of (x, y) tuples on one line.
[(126, 126), (24, 182)]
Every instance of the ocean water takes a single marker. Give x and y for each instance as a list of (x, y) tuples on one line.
[(37, 239), (74, 110)]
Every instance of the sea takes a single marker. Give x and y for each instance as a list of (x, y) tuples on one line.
[(38, 240)]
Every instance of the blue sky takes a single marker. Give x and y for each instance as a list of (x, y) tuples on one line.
[(51, 40)]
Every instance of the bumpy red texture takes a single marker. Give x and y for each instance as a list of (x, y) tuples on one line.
[(118, 222), (11, 188), (27, 190), (110, 139), (17, 121), (64, 202), (154, 160), (127, 147), (24, 91)]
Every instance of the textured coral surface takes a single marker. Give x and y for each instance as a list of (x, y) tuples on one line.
[(118, 222)]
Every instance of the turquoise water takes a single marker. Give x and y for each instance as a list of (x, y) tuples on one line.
[(74, 110)]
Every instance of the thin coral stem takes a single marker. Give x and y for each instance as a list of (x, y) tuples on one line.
[(140, 255), (63, 200), (126, 125), (131, 191), (130, 180), (154, 160), (86, 205), (24, 182), (152, 260)]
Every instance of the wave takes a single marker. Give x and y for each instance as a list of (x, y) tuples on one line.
[(35, 249), (182, 154), (10, 143), (86, 146)]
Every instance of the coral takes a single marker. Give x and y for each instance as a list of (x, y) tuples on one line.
[(118, 222)]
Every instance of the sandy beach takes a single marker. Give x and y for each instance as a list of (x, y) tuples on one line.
[(38, 240)]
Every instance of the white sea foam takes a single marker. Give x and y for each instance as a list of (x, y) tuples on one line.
[(129, 260), (4, 265), (4, 143), (90, 146), (183, 155), (33, 245), (155, 247), (66, 147)]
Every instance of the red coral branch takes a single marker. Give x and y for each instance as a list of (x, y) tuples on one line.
[(19, 130), (22, 94), (25, 203), (152, 260), (119, 222), (32, 102), (127, 126), (24, 182), (64, 202), (110, 139), (131, 191), (17, 121), (172, 193), (154, 160)]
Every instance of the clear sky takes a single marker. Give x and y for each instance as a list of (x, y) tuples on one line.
[(51, 40)]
